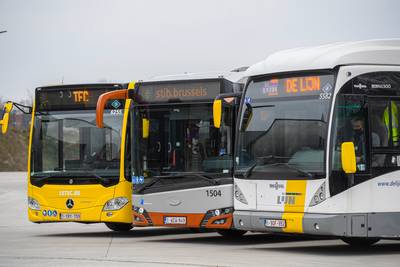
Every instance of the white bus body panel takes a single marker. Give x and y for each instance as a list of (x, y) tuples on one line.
[(194, 200)]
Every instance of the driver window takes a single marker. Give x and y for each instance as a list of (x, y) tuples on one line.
[(350, 125)]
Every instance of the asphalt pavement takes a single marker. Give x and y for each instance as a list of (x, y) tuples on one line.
[(23, 243)]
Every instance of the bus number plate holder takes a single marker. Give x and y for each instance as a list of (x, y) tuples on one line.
[(174, 220), (70, 216), (274, 223)]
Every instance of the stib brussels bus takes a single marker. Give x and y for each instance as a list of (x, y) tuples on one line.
[(74, 168), (181, 164), (317, 149)]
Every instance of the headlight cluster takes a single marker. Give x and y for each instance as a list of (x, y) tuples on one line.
[(142, 212), (239, 195), (33, 204), (116, 203), (218, 212), (138, 210), (214, 213), (319, 196)]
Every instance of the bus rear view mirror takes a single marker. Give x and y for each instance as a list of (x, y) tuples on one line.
[(6, 116), (217, 106), (217, 113), (102, 101), (145, 128), (348, 156), (247, 115)]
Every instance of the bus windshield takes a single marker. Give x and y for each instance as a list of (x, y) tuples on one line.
[(181, 140), (69, 142), (283, 128)]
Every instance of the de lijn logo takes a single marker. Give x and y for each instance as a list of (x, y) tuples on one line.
[(69, 203)]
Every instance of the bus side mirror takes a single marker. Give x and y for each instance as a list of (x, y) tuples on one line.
[(4, 122), (217, 112), (348, 155), (145, 128), (102, 101)]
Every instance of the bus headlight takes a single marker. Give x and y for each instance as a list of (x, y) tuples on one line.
[(33, 204), (239, 195), (319, 196), (116, 203)]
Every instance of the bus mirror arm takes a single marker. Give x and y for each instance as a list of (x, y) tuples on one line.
[(217, 106), (350, 180), (102, 101)]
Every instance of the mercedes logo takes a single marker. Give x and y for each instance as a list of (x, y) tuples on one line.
[(70, 203), (71, 181)]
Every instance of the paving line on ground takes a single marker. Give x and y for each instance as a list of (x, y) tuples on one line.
[(109, 260)]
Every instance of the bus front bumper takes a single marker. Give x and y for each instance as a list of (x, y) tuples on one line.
[(185, 220), (87, 215), (296, 223)]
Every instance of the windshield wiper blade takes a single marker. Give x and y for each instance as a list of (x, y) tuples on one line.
[(156, 180), (298, 170), (202, 175), (40, 179), (246, 173), (179, 175)]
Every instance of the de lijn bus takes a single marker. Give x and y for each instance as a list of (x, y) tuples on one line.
[(181, 165), (74, 169), (317, 143)]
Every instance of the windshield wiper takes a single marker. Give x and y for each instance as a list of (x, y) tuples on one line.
[(246, 173), (42, 179), (179, 175), (298, 170), (202, 175), (260, 161)]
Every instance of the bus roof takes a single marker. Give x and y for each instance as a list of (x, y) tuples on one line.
[(78, 85), (384, 51), (235, 75)]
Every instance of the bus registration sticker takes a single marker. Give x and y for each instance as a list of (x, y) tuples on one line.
[(275, 223), (174, 220), (70, 216)]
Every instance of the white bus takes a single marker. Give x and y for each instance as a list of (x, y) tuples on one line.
[(181, 165), (317, 149)]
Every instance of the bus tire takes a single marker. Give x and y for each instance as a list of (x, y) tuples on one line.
[(360, 241), (119, 227), (231, 233)]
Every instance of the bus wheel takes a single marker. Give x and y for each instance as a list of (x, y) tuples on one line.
[(360, 241), (119, 227), (231, 233)]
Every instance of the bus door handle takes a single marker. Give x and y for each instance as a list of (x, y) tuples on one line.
[(158, 149), (169, 147)]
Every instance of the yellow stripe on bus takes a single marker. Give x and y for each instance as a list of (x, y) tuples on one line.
[(294, 210), (131, 86)]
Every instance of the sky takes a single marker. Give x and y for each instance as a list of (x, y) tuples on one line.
[(70, 41)]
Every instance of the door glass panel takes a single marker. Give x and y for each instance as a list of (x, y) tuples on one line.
[(350, 117), (384, 118)]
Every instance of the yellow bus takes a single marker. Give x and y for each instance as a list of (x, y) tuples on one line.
[(75, 171)]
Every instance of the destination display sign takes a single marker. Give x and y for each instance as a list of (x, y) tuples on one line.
[(294, 86), (179, 91), (70, 98)]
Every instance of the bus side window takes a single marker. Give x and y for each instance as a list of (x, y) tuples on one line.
[(384, 121)]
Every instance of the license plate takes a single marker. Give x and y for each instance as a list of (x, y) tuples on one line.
[(70, 216), (174, 220), (275, 223)]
